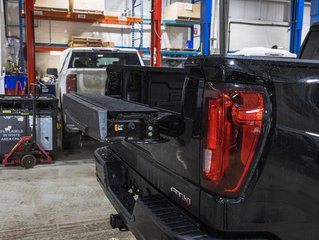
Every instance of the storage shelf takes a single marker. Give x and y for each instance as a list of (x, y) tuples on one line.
[(43, 49), (85, 17), (180, 53), (47, 47), (181, 23)]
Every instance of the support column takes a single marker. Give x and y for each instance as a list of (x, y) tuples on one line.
[(297, 11), (223, 26), (21, 36), (206, 8), (192, 29), (2, 36), (156, 32), (29, 11)]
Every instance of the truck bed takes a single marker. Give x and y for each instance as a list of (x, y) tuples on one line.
[(155, 87)]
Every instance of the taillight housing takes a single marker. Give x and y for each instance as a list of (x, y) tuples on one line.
[(70, 83), (235, 122)]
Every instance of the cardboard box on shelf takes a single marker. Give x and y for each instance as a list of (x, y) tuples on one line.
[(57, 5), (182, 11), (85, 6)]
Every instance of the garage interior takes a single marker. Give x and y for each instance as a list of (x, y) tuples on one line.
[(49, 188)]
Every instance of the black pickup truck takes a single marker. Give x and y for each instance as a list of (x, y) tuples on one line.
[(226, 149)]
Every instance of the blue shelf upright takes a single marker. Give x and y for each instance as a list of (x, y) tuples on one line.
[(206, 9), (297, 12), (135, 5)]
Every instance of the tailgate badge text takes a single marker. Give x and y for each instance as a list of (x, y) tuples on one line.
[(182, 196)]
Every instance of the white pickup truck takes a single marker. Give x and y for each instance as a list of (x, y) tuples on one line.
[(83, 70)]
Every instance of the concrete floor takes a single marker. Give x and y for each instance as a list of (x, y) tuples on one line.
[(58, 201)]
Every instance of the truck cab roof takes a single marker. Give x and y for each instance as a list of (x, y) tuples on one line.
[(90, 49), (97, 49)]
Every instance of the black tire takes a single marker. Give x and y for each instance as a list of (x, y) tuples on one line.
[(70, 140), (28, 161)]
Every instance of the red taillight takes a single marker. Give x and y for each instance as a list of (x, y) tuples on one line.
[(234, 127), (70, 83)]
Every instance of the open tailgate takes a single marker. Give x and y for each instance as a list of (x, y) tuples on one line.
[(109, 119)]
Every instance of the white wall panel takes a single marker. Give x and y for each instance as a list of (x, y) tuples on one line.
[(262, 13), (44, 61), (259, 10), (242, 36)]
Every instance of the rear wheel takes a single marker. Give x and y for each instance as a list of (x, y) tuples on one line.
[(28, 161), (116, 221), (70, 139)]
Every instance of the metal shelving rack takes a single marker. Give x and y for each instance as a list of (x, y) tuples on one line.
[(135, 5), (81, 17), (85, 17), (96, 18), (78, 17), (156, 40)]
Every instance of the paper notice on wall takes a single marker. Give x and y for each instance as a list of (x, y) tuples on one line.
[(2, 85), (188, 6)]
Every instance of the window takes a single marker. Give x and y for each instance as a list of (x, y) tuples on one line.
[(101, 59)]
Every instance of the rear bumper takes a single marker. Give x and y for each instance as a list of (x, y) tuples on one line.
[(149, 216)]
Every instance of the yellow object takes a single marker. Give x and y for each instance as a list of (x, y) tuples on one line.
[(108, 44)]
